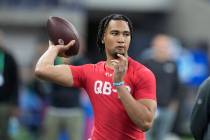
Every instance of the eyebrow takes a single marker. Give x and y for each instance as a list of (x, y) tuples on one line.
[(126, 31)]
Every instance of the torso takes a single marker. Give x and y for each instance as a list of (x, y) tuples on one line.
[(111, 119)]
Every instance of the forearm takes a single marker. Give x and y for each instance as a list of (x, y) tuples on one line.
[(45, 62), (47, 58), (46, 70), (137, 112)]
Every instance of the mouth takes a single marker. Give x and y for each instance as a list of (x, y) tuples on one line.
[(119, 50), (120, 47)]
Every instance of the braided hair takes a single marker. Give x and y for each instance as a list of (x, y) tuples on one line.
[(104, 24)]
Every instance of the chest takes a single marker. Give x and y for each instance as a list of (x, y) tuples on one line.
[(101, 84)]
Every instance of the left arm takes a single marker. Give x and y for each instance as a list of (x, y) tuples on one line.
[(141, 111)]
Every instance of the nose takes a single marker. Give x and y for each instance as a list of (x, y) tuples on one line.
[(121, 39)]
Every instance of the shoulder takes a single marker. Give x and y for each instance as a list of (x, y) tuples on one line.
[(99, 64), (93, 67), (137, 67), (138, 73)]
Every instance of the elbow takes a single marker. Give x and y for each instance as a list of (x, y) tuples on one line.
[(145, 126), (39, 72)]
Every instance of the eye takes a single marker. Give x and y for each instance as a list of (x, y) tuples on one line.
[(114, 33), (126, 34)]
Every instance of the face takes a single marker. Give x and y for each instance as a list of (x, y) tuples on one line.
[(161, 47), (117, 38)]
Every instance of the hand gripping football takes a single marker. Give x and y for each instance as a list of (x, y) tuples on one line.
[(62, 31)]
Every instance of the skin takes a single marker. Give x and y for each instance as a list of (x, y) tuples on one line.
[(161, 48), (117, 41)]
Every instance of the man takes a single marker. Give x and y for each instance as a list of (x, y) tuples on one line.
[(166, 74), (200, 118), (8, 89), (121, 90)]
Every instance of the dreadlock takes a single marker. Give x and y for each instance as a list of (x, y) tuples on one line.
[(104, 24)]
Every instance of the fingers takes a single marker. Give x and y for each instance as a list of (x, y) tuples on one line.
[(118, 66), (114, 62), (121, 56), (122, 59), (71, 43)]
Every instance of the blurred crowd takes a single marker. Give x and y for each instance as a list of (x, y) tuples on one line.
[(179, 72), (36, 110)]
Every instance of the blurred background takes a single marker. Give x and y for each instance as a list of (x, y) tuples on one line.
[(24, 36)]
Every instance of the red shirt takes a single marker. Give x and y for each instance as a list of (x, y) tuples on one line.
[(111, 121)]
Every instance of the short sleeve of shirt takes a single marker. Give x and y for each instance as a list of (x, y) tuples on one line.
[(145, 84), (78, 75)]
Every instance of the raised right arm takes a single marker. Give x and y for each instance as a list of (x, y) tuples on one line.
[(46, 70)]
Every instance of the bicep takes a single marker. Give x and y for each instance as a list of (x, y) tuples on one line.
[(59, 74)]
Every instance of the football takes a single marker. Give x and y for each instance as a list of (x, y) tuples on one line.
[(62, 31)]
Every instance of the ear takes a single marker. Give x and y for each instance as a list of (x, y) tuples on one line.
[(102, 41)]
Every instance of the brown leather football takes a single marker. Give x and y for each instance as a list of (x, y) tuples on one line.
[(62, 31)]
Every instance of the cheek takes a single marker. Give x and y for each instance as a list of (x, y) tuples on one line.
[(110, 41), (128, 41)]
